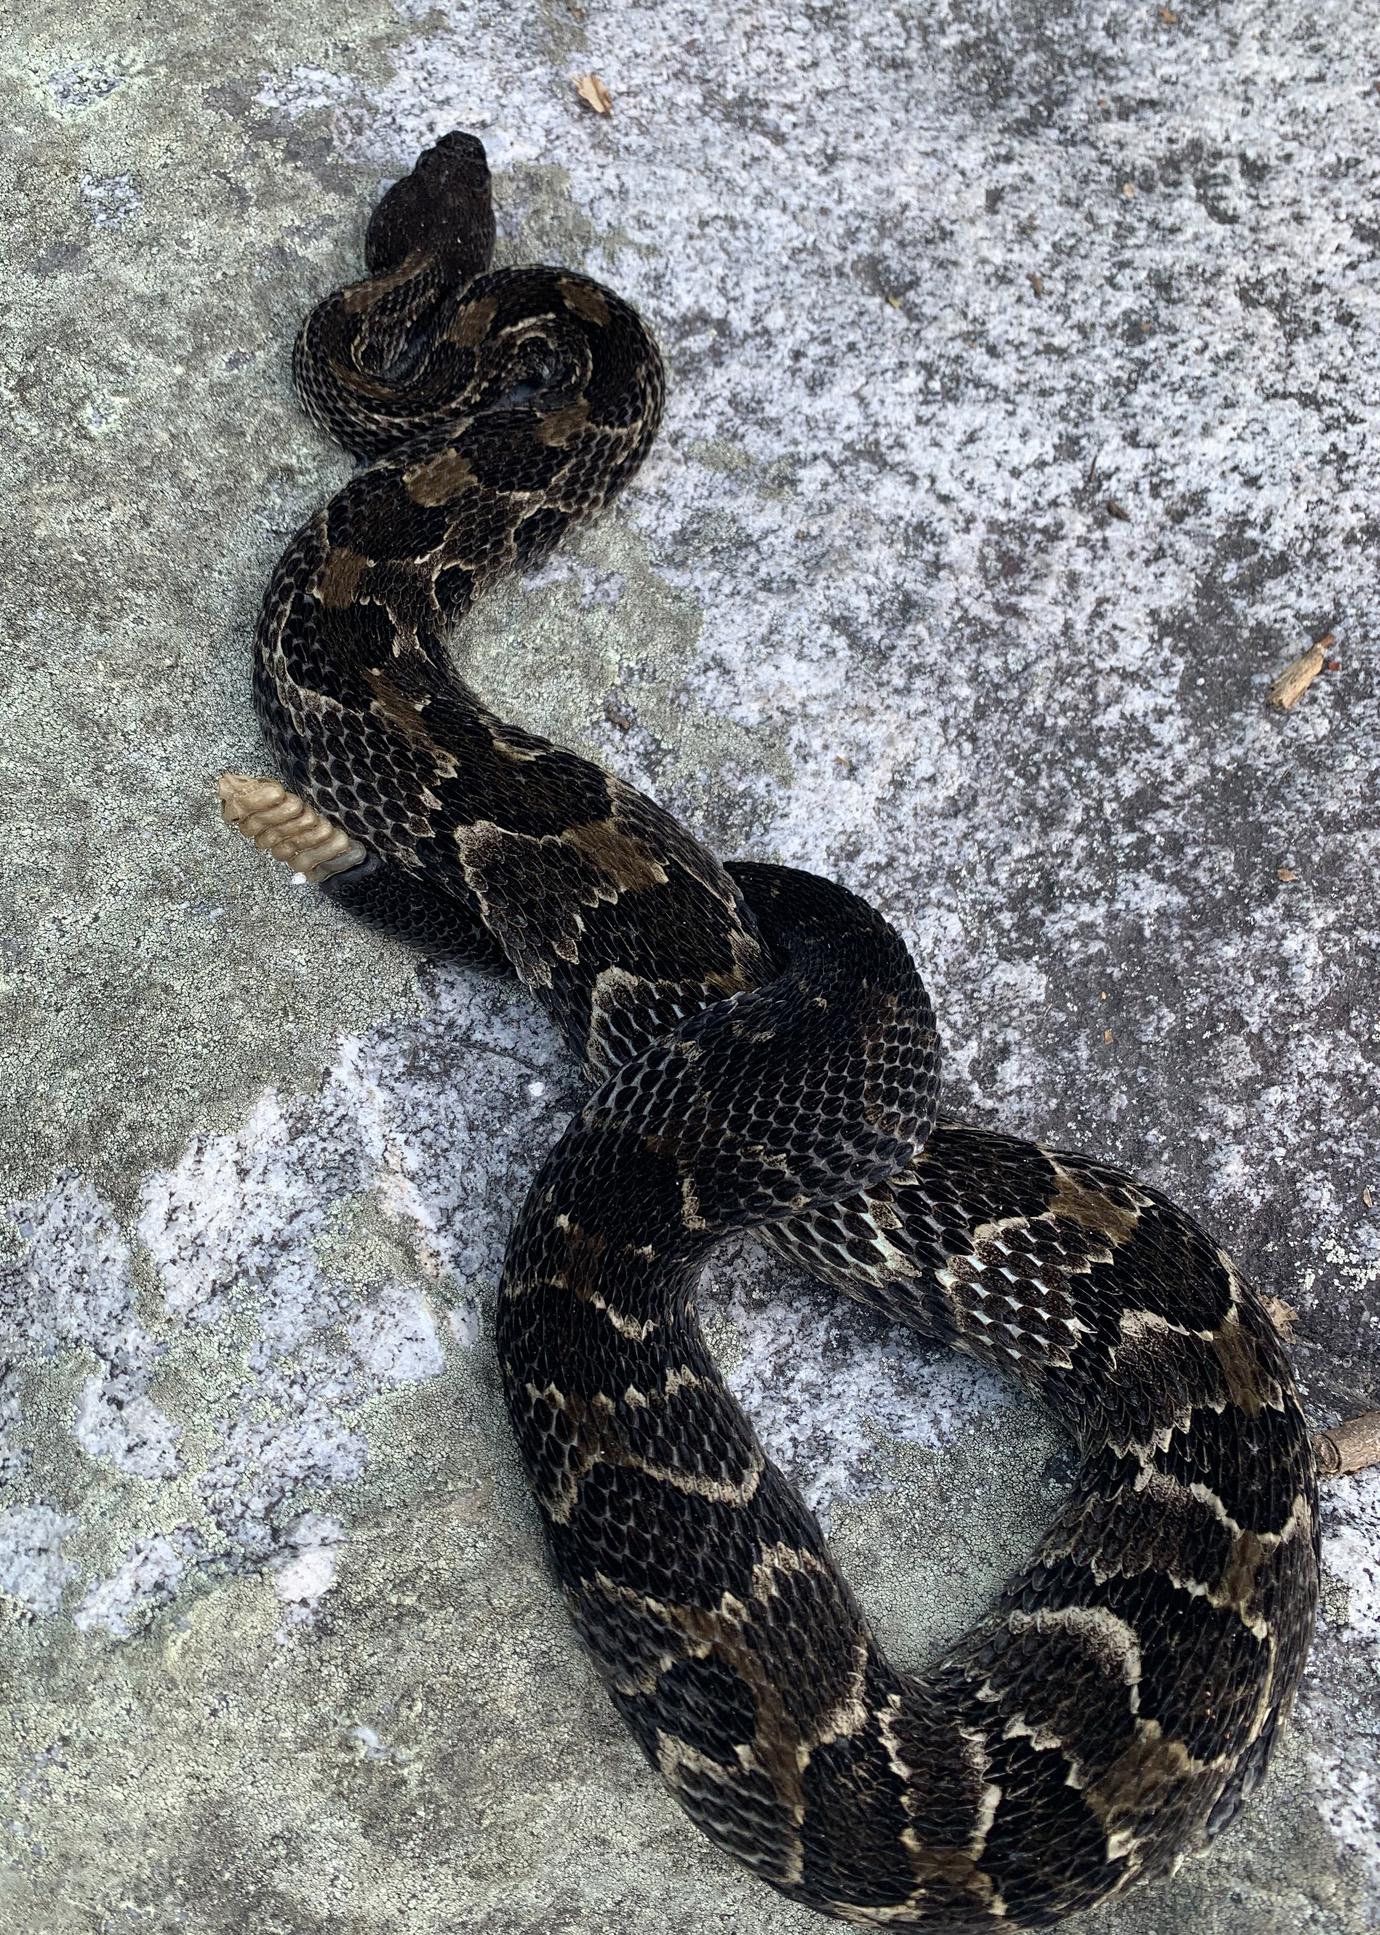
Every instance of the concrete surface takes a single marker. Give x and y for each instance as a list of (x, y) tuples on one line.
[(1021, 431)]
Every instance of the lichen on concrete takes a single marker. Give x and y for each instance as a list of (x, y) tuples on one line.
[(1015, 442)]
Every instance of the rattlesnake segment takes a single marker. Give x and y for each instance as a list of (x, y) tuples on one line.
[(767, 1059)]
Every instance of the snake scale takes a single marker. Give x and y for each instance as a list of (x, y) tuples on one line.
[(766, 1059)]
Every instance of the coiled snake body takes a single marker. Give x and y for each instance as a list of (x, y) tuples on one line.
[(767, 1059)]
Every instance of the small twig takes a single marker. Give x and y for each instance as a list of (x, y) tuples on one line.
[(1295, 679), (1353, 1445)]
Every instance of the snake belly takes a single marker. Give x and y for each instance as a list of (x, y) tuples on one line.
[(765, 1058)]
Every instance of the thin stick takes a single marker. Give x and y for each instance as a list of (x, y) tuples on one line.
[(1295, 679), (1353, 1445)]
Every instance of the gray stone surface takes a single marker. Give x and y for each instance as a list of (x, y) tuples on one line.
[(1021, 430)]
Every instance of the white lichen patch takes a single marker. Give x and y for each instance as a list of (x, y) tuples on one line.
[(1351, 1554), (1342, 1751), (69, 1288), (304, 1570), (122, 1602), (828, 1388), (396, 1337), (465, 1324), (110, 200), (129, 1432), (34, 1574), (434, 1124)]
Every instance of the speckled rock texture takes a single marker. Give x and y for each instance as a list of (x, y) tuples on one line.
[(1021, 431)]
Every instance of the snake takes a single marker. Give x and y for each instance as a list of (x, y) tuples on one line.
[(763, 1057)]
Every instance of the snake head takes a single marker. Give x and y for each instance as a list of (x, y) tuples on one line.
[(443, 208)]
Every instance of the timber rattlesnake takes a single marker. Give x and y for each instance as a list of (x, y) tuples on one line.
[(767, 1059)]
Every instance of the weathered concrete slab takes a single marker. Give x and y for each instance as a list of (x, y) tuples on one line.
[(1019, 436)]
